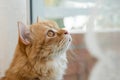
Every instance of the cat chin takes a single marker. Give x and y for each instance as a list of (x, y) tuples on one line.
[(59, 53), (70, 38), (68, 42)]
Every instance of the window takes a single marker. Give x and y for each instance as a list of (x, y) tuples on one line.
[(71, 14), (99, 22), (74, 14)]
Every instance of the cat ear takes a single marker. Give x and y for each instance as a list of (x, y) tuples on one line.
[(38, 19), (24, 33)]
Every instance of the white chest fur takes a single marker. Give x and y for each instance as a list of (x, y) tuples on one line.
[(59, 64)]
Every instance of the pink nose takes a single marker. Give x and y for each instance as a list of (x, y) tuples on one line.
[(66, 32)]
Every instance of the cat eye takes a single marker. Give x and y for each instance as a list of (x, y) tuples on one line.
[(51, 33)]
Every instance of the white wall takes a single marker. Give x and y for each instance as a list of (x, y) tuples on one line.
[(11, 11)]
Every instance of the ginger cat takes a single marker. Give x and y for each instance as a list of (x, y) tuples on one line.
[(40, 53)]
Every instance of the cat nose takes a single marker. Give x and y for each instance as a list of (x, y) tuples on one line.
[(66, 32)]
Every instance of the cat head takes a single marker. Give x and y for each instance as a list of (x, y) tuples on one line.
[(43, 39)]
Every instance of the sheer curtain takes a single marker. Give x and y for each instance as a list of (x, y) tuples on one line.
[(103, 40)]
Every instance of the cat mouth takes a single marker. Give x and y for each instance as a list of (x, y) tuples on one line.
[(69, 38), (65, 42)]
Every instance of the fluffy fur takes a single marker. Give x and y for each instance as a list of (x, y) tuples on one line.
[(40, 53)]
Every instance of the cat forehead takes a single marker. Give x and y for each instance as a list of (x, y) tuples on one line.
[(52, 25), (45, 25), (43, 28)]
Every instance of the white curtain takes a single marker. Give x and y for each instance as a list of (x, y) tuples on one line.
[(103, 40)]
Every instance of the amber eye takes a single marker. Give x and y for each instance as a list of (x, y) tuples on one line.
[(51, 33)]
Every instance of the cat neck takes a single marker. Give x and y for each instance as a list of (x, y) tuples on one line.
[(19, 61), (22, 68)]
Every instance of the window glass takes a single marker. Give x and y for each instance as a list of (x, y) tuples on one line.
[(75, 21)]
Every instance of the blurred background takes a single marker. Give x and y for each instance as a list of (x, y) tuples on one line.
[(93, 24)]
